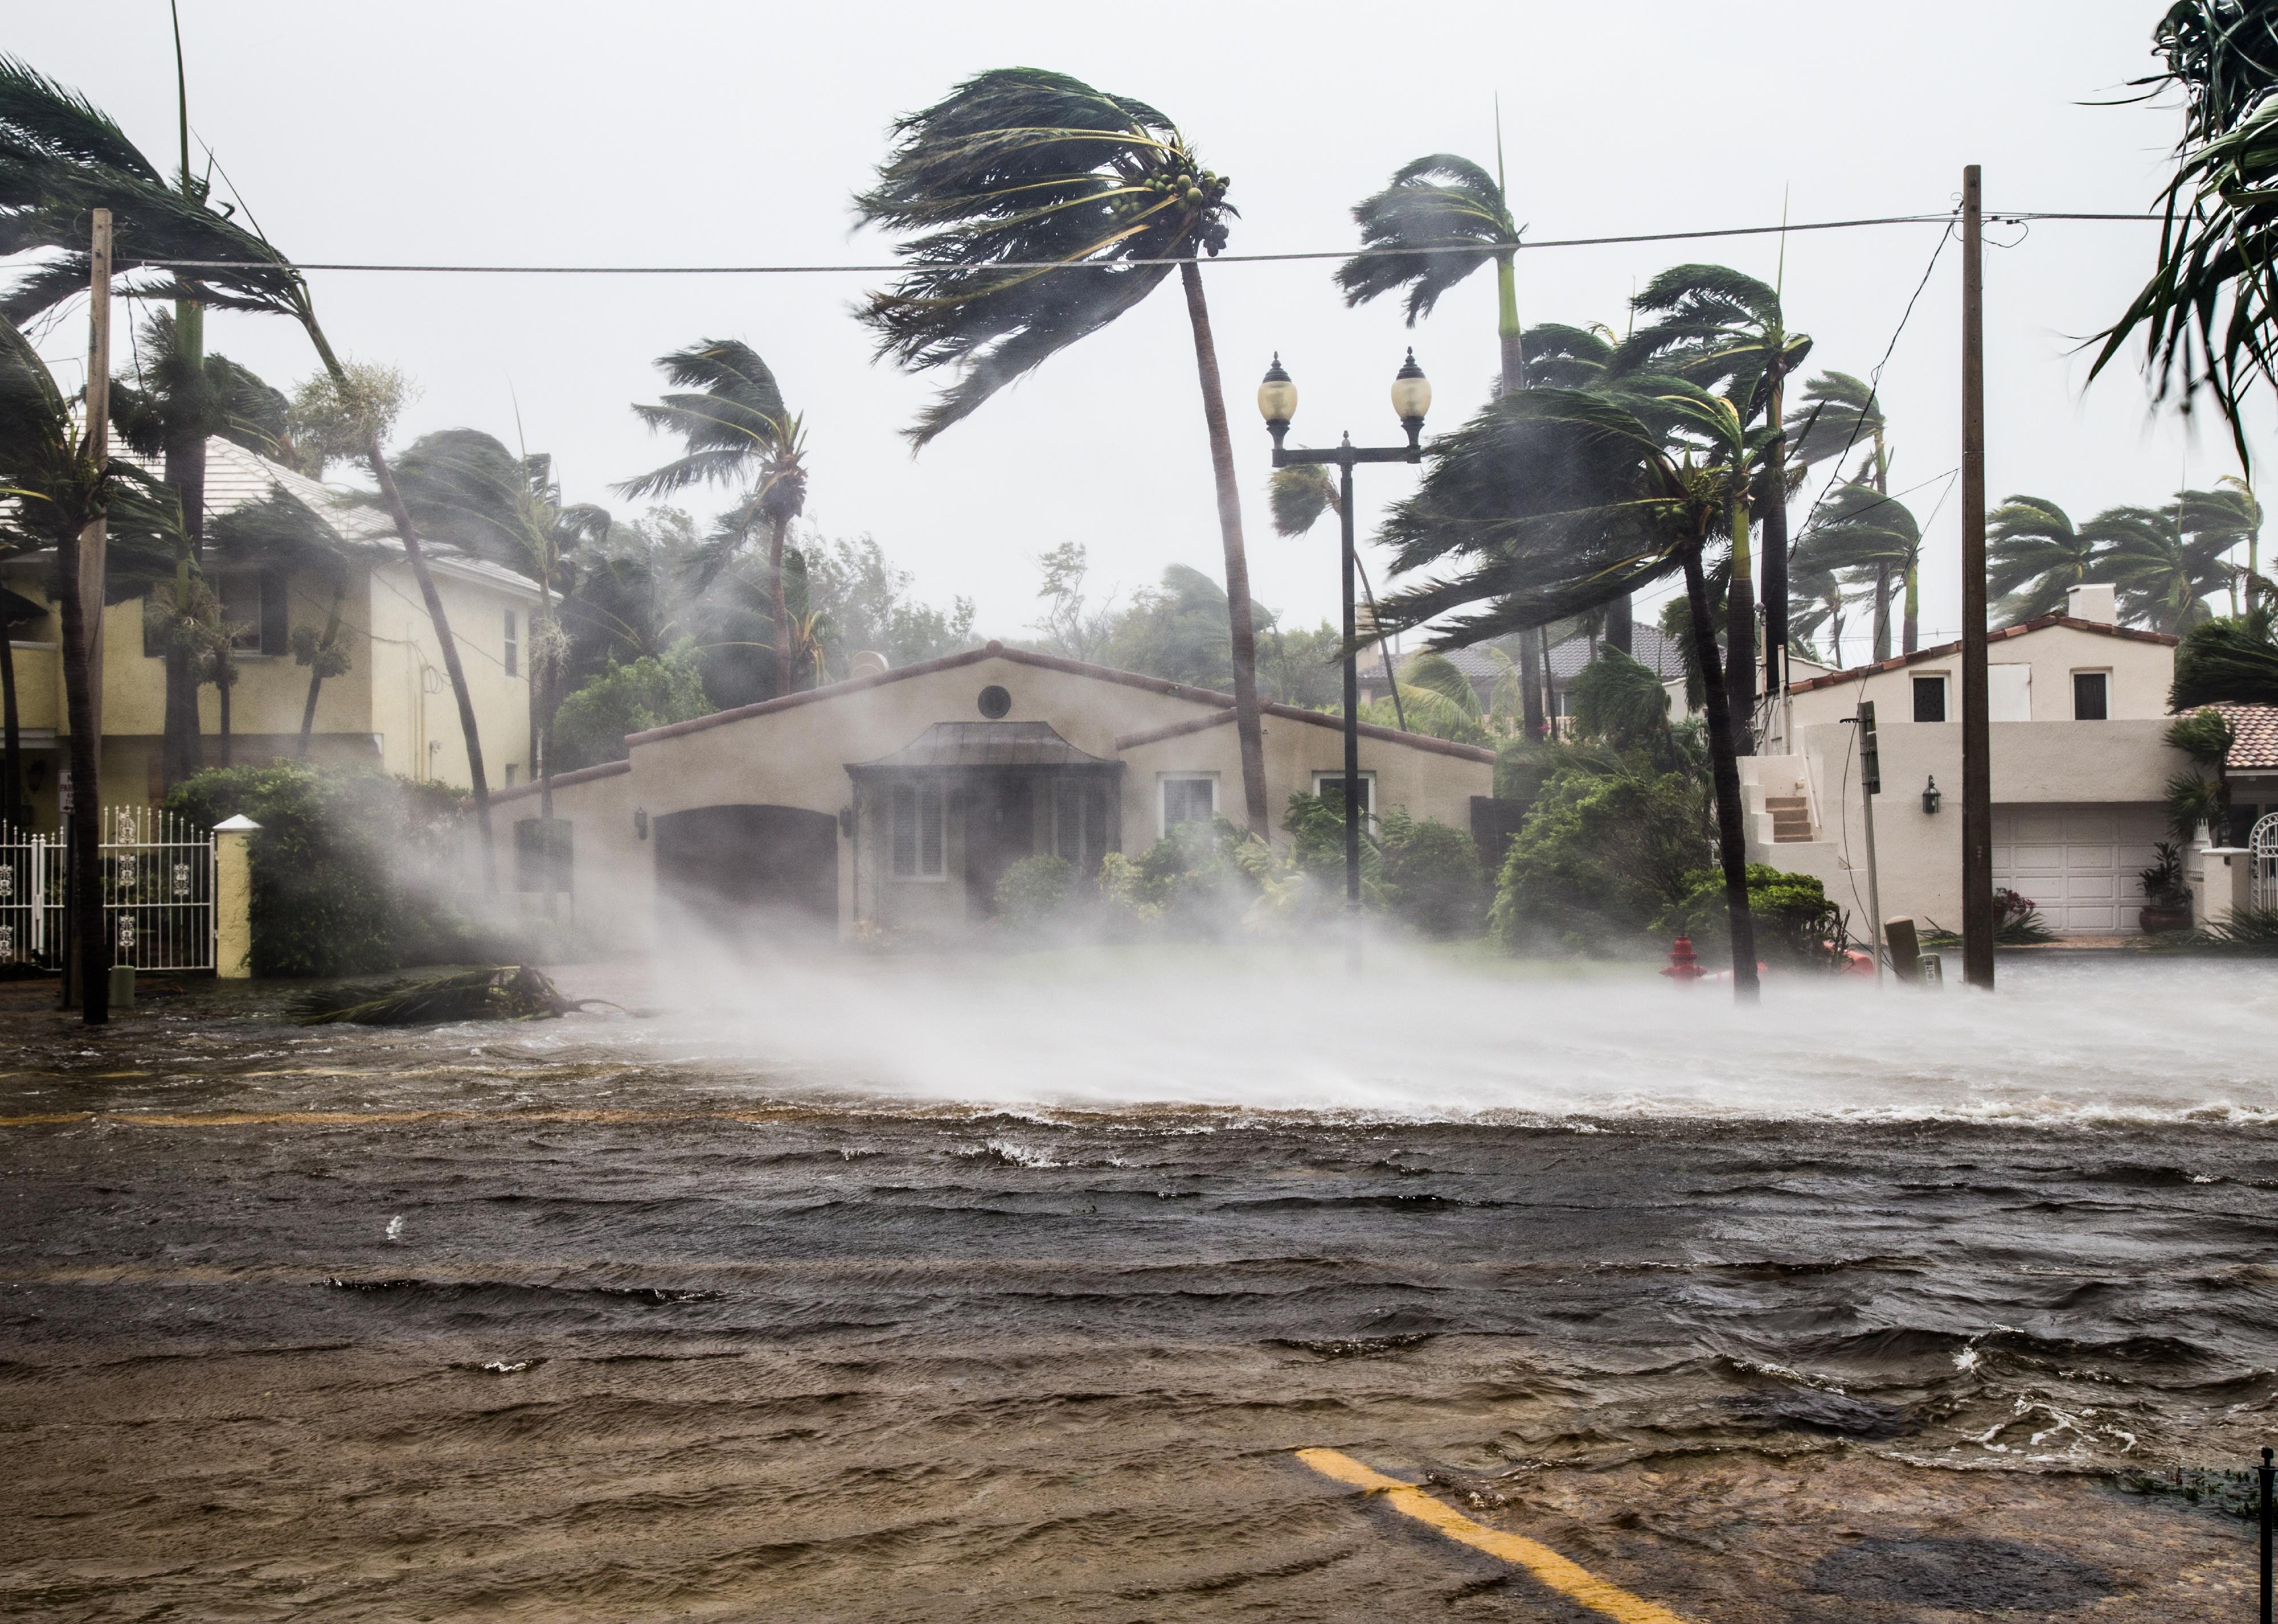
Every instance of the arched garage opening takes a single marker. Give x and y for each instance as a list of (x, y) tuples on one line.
[(741, 866)]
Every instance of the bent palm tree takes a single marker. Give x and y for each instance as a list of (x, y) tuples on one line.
[(1440, 219), (1840, 414), (729, 413), (2163, 576), (1553, 501), (2034, 556), (60, 155), (1720, 330), (1018, 167), (2223, 520), (1857, 531)]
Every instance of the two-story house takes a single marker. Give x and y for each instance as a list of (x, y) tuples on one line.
[(392, 710)]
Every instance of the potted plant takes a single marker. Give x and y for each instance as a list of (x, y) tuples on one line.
[(2167, 893)]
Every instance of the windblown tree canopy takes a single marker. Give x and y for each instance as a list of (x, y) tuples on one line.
[(1013, 168), (2035, 555), (1440, 218), (1858, 532), (2208, 314)]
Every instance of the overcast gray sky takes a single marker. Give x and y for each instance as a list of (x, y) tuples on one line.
[(488, 132)]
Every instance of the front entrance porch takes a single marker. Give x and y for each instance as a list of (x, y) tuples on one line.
[(938, 822)]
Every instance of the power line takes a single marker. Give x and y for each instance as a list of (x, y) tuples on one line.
[(896, 268)]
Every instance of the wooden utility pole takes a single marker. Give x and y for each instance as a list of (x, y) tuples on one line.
[(1976, 752)]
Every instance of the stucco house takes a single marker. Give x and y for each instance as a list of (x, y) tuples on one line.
[(392, 710), (2080, 766), (898, 798)]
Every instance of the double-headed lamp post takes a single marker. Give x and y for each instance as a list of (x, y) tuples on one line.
[(1411, 398)]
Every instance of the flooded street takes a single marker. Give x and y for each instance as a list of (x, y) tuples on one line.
[(807, 1304)]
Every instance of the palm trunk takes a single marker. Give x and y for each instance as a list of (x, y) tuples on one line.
[(1549, 682), (1882, 613), (181, 752), (85, 876), (1529, 685), (225, 679), (1724, 774), (1617, 631), (1775, 565), (317, 668), (393, 500), (777, 530), (1246, 720), (1911, 630), (1740, 627), (1507, 328), (12, 736), (1835, 632)]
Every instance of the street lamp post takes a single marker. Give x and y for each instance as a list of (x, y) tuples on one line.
[(1277, 403)]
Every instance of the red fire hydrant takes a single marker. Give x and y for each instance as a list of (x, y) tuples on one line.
[(1683, 966)]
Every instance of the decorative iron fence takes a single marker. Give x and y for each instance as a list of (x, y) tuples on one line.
[(2262, 852), (157, 892)]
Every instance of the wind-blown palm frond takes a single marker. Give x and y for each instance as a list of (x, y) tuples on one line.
[(1299, 495), (2164, 576), (1014, 167), (2221, 520), (736, 420), (2208, 313), (1715, 327), (1559, 356), (1837, 415), (1867, 538), (1440, 219), (2035, 554), (2225, 661)]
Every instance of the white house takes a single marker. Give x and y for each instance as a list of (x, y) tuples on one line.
[(2080, 766)]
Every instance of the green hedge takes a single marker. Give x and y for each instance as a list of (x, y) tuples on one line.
[(349, 868)]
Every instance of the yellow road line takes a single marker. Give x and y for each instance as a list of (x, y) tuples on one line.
[(1569, 1579)]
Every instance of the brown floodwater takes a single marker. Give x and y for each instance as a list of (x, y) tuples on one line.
[(665, 1317)]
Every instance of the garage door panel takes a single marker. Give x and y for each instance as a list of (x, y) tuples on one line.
[(2078, 864)]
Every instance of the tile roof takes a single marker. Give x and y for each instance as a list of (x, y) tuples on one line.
[(2253, 736), (2020, 629)]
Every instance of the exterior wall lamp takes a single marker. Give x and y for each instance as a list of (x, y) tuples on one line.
[(1931, 797), (640, 823)]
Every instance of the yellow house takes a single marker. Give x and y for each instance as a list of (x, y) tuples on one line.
[(392, 710)]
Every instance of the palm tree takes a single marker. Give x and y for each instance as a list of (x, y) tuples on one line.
[(1815, 603), (1553, 501), (466, 487), (732, 417), (281, 533), (1857, 531), (58, 487), (2035, 555), (2224, 520), (1016, 168), (1718, 329), (60, 155), (1840, 414), (1440, 219), (2165, 577), (2217, 265)]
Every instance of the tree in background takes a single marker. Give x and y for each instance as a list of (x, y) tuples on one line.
[(1838, 415), (728, 412), (1869, 540), (2034, 556), (652, 691), (1018, 167), (865, 600), (1440, 218), (2165, 575), (1071, 626), (1719, 330)]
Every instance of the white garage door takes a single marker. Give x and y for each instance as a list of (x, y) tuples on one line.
[(2077, 863)]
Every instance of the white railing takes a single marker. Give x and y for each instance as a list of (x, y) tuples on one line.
[(157, 871)]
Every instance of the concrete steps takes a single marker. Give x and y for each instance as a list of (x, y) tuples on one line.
[(1791, 817)]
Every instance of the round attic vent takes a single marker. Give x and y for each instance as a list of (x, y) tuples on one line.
[(995, 703)]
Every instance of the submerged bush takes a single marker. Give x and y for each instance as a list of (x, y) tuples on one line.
[(1433, 875), (1599, 858), (1795, 924), (1036, 891), (349, 868)]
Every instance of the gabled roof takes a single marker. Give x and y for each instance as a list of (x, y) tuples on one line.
[(1215, 707), (1945, 650), (986, 744)]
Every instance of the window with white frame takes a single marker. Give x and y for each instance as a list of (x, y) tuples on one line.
[(1188, 797), (918, 834), (1330, 787), (512, 648)]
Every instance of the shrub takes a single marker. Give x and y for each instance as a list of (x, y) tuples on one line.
[(1316, 827), (1433, 875), (1598, 859), (591, 725), (1034, 891), (349, 869), (1795, 924)]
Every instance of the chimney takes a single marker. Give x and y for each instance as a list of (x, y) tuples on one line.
[(2092, 603)]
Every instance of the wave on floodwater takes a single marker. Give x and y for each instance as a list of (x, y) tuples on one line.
[(1420, 1039)]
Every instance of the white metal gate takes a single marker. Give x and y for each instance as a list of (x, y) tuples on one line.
[(157, 871), (2262, 852)]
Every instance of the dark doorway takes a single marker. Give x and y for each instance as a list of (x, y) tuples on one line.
[(1000, 829), (739, 866)]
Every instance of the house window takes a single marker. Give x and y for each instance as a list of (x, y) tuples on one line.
[(1188, 797), (1079, 823), (1929, 698), (510, 770), (2092, 696), (253, 606), (512, 648), (1330, 787), (918, 835)]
